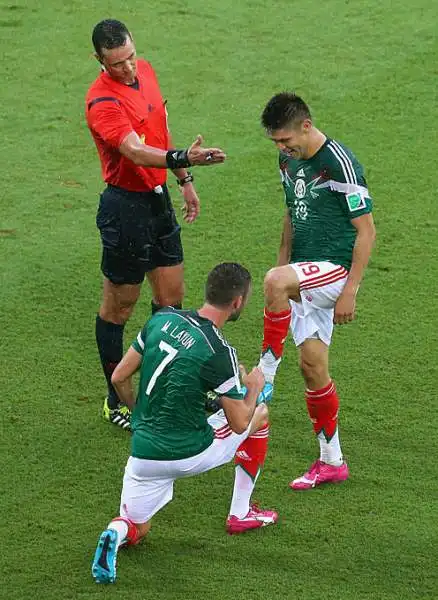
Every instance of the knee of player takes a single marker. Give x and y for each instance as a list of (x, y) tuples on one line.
[(275, 280), (280, 281)]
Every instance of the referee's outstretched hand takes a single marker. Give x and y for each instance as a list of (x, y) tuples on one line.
[(200, 156)]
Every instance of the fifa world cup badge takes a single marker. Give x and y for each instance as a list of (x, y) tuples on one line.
[(355, 201)]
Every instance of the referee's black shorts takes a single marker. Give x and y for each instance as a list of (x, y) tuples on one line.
[(139, 233)]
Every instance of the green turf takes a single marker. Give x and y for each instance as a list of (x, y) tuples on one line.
[(368, 70)]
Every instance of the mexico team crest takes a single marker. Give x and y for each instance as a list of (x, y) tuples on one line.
[(300, 188)]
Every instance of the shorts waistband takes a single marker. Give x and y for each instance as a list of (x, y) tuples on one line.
[(158, 189)]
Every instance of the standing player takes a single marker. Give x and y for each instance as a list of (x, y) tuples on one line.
[(182, 355), (328, 235), (127, 118)]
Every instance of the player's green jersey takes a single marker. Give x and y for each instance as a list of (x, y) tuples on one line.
[(323, 195), (184, 357)]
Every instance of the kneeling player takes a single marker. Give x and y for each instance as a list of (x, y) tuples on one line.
[(181, 356)]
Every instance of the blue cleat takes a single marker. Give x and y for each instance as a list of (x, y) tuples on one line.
[(265, 395), (103, 568)]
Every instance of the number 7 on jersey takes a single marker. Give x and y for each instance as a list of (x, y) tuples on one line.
[(171, 353)]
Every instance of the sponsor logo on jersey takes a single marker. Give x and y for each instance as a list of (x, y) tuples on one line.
[(300, 188), (355, 201)]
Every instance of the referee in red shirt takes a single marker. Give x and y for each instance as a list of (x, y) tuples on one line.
[(140, 236)]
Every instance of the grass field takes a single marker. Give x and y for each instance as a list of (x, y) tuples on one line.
[(369, 71)]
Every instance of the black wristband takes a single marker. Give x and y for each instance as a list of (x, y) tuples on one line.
[(177, 159), (187, 179)]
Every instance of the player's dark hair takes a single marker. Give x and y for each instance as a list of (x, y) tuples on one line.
[(225, 282), (283, 110), (109, 34)]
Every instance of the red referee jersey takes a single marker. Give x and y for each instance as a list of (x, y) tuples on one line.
[(113, 110)]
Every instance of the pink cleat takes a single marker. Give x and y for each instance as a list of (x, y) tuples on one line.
[(254, 519), (320, 472)]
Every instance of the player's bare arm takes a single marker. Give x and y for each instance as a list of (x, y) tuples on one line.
[(240, 412), (122, 376), (148, 156), (286, 242), (366, 235)]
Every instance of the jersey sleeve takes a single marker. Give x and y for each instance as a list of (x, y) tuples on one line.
[(348, 180), (139, 343), (221, 374), (107, 118)]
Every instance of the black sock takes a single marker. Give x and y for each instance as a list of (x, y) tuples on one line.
[(155, 306), (109, 338)]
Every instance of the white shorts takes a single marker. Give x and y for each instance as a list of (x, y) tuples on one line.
[(148, 484), (321, 284)]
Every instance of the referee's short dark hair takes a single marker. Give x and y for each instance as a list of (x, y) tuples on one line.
[(109, 34), (226, 282), (283, 110)]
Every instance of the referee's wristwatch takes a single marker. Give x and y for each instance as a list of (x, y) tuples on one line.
[(187, 179)]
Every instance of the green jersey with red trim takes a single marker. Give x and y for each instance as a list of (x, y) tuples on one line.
[(323, 195), (184, 357)]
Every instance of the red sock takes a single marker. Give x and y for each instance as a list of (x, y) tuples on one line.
[(275, 330), (323, 407), (132, 537), (251, 453)]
